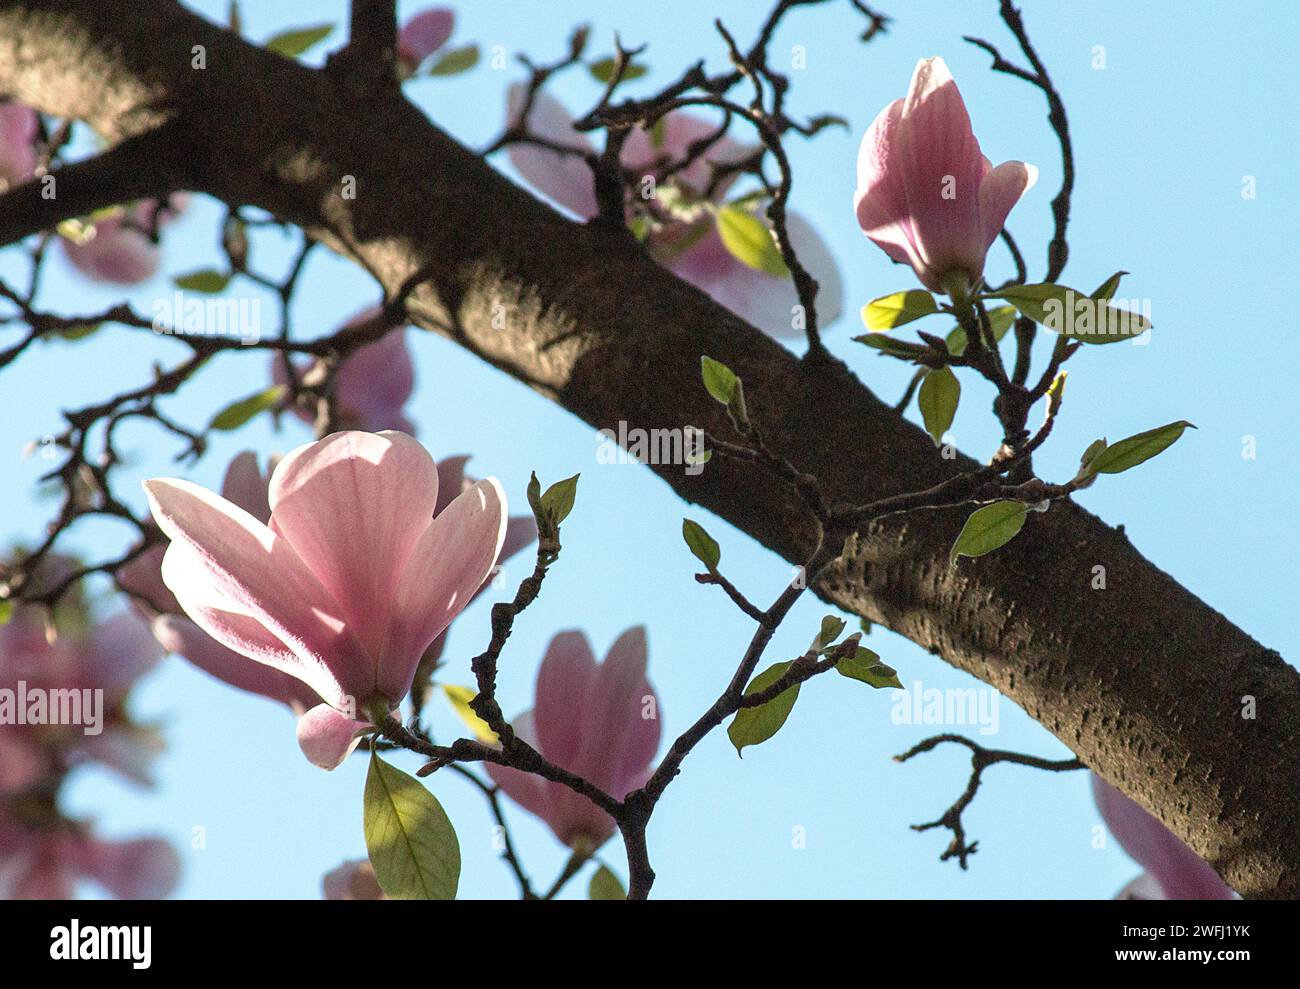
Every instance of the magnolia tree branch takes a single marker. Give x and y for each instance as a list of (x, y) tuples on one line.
[(1143, 681)]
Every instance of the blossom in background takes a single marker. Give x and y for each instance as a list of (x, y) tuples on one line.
[(691, 249), (371, 386), (110, 656), (43, 860), (353, 880), (349, 582), (421, 36), (600, 721), (926, 195), (18, 131), (1173, 871), (117, 248)]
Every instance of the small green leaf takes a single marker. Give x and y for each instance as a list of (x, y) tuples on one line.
[(988, 528), (1073, 314), (291, 44), (865, 666), (534, 492), (750, 241), (605, 886), (460, 698), (558, 500), (894, 348), (898, 308), (1137, 449), (938, 398), (753, 725), (6, 611), (206, 280), (79, 331), (719, 380), (455, 61), (829, 632), (1090, 454), (236, 414), (1001, 319), (412, 844), (704, 547), (1106, 290), (602, 70)]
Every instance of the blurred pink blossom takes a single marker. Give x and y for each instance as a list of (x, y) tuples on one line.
[(18, 130), (371, 386), (926, 195), (347, 585), (118, 249), (353, 880), (600, 721), (1173, 871), (423, 35), (693, 250)]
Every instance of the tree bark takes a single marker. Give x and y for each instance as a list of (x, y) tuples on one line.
[(1143, 681)]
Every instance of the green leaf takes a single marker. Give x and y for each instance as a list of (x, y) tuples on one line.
[(1001, 319), (236, 414), (752, 725), (602, 70), (206, 280), (750, 241), (829, 632), (605, 886), (719, 380), (1106, 290), (412, 845), (865, 666), (558, 500), (455, 61), (1058, 308), (702, 545), (940, 392), (894, 348), (1090, 454), (898, 308), (988, 528), (6, 611), (460, 698), (1137, 449), (291, 44)]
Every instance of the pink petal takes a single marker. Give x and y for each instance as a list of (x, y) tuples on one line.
[(183, 637), (424, 34), (564, 685), (618, 739), (18, 129), (328, 737), (679, 131), (881, 198), (117, 653), (529, 791), (1000, 190), (142, 577), (220, 620), (143, 869), (452, 559), (22, 762), (236, 558), (1181, 873), (115, 254), (941, 156), (246, 486), (354, 880), (127, 749), (375, 382), (353, 506), (565, 178)]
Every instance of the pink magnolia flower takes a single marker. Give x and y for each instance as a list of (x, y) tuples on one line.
[(44, 862), (353, 880), (109, 656), (119, 251), (18, 129), (926, 194), (600, 721), (371, 386), (1173, 871), (421, 36), (692, 250), (349, 582)]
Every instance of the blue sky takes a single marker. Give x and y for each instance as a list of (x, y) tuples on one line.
[(1186, 107)]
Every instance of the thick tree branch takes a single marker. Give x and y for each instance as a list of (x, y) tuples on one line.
[(1143, 681)]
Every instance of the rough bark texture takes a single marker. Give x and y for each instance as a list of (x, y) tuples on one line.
[(1143, 681)]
